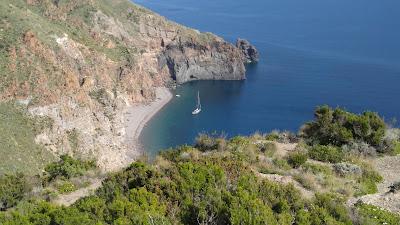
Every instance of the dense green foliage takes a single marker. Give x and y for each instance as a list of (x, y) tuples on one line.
[(68, 167), (338, 127), (375, 215), (326, 153), (12, 190), (368, 182), (296, 159), (186, 186), (65, 187)]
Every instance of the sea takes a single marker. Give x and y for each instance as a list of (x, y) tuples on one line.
[(336, 52)]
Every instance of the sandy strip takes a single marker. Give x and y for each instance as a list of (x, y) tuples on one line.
[(138, 115)]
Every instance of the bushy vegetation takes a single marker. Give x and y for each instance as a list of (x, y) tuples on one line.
[(359, 149), (65, 187), (368, 182), (297, 159), (186, 186), (347, 169), (67, 167), (12, 190), (324, 153), (369, 214), (338, 127)]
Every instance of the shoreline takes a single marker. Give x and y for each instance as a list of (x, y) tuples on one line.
[(137, 116)]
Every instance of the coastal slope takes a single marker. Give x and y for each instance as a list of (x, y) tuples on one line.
[(80, 64)]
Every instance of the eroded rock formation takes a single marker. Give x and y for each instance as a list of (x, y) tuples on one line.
[(189, 61), (249, 51)]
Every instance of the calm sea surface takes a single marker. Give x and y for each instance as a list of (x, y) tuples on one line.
[(337, 52)]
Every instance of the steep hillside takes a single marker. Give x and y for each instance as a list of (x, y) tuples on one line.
[(82, 62)]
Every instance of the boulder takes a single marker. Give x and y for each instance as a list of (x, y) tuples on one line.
[(249, 51)]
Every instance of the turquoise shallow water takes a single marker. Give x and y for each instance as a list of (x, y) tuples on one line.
[(336, 52)]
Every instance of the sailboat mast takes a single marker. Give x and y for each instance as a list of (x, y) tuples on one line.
[(198, 100)]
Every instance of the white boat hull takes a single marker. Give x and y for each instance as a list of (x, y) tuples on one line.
[(196, 111)]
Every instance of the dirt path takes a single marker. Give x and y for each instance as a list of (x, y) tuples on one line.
[(71, 198)]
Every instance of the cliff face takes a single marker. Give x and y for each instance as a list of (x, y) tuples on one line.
[(82, 62), (192, 61)]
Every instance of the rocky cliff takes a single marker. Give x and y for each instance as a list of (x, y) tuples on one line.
[(189, 61), (82, 62), (249, 51)]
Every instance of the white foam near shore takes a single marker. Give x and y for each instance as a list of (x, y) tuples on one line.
[(138, 115)]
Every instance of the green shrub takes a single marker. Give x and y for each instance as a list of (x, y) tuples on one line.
[(66, 187), (359, 149), (281, 164), (205, 142), (368, 182), (372, 175), (323, 153), (330, 207), (68, 167), (273, 136), (374, 215), (239, 141), (345, 169), (339, 127), (12, 190), (297, 159)]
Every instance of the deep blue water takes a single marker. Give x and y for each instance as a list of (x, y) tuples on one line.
[(337, 52)]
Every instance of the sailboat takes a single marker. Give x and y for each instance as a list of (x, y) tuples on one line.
[(198, 107)]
